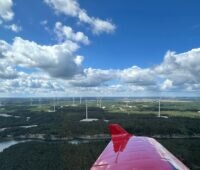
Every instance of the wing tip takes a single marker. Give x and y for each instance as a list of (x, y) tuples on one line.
[(116, 129)]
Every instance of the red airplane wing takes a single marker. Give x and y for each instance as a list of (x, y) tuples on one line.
[(128, 152)]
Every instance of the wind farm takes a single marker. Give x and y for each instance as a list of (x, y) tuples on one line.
[(82, 126)]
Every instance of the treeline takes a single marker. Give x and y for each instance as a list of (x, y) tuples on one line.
[(66, 123), (151, 125)]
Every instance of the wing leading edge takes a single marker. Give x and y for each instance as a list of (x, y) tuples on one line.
[(129, 152)]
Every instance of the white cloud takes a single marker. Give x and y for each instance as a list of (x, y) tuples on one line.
[(183, 68), (78, 59), (93, 77), (58, 68), (167, 84), (72, 8), (66, 33), (4, 47), (67, 7), (31, 84), (58, 60), (13, 27), (138, 76), (6, 12), (99, 26), (7, 71), (44, 22)]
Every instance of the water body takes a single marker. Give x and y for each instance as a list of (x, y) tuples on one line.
[(6, 144), (77, 142), (7, 115), (3, 129), (28, 126), (23, 127)]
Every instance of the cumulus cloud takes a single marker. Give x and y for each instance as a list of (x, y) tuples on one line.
[(31, 84), (181, 68), (13, 27), (34, 81), (6, 12), (93, 77), (7, 71), (99, 26), (58, 68), (72, 8), (167, 84), (4, 47), (66, 33), (67, 7), (58, 60), (138, 76)]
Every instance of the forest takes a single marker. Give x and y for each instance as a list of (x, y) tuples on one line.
[(64, 156), (178, 131)]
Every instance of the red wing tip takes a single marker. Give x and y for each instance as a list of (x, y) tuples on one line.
[(116, 129)]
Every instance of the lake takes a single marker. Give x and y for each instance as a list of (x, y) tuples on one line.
[(7, 144)]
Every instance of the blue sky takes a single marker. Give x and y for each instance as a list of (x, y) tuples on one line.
[(135, 42), (145, 29)]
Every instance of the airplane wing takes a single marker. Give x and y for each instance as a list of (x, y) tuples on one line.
[(129, 152)]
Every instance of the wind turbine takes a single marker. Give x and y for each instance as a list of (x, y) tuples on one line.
[(100, 102), (80, 100), (159, 112), (39, 100), (159, 107), (86, 110), (54, 105), (73, 101), (97, 101), (86, 114)]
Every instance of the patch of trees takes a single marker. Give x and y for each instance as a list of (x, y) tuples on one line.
[(50, 156)]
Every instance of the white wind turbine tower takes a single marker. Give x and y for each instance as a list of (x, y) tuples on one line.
[(39, 100), (80, 100), (86, 110), (97, 101), (100, 102), (73, 101), (159, 107), (86, 114), (159, 110), (54, 105)]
